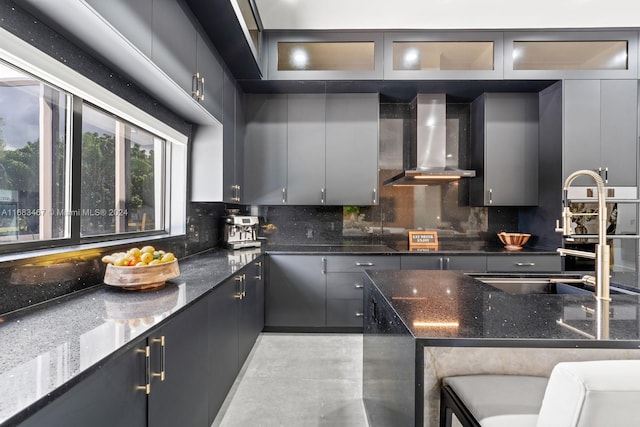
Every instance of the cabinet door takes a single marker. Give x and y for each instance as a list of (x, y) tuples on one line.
[(229, 191), (344, 299), (222, 325), (132, 18), (180, 398), (107, 398), (618, 146), (174, 47), (239, 143), (251, 309), (210, 69), (581, 123), (511, 149), (295, 291), (352, 149), (266, 149), (306, 149)]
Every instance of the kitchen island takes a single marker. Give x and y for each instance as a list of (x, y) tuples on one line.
[(420, 326)]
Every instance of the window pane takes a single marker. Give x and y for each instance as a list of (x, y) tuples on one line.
[(443, 55), (33, 158), (326, 56), (121, 186), (570, 55)]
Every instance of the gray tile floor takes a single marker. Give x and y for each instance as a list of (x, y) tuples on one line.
[(298, 380)]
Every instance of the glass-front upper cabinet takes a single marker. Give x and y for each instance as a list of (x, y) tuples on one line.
[(571, 54), (443, 55), (324, 56)]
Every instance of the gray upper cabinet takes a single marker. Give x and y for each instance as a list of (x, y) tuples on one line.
[(132, 18), (600, 130), (504, 137), (265, 166), (352, 149), (211, 71), (311, 149), (306, 149), (174, 47), (233, 143)]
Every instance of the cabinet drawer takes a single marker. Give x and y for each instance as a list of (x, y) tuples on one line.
[(517, 263), (444, 262), (345, 285), (358, 263), (344, 312), (421, 262)]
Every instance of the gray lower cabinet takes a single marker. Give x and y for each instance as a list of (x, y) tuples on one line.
[(319, 291), (265, 161), (236, 318), (114, 395), (513, 263), (444, 262), (504, 149), (600, 122), (295, 291)]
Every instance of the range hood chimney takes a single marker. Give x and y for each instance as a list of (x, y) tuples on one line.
[(425, 155)]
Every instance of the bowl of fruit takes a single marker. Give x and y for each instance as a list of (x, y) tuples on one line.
[(140, 268)]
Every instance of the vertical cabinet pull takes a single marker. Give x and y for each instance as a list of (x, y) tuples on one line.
[(491, 196), (441, 262), (324, 265), (447, 262), (244, 285), (322, 196), (197, 87), (259, 275), (147, 369), (161, 341), (239, 295), (235, 193), (374, 196), (284, 195)]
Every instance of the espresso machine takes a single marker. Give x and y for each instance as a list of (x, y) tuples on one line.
[(241, 231)]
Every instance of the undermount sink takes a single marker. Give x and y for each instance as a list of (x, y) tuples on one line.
[(557, 284)]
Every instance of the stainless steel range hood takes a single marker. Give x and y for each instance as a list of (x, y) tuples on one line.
[(425, 155)]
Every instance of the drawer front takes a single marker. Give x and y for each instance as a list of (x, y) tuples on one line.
[(518, 263), (444, 262), (344, 312), (358, 263), (345, 285), (422, 262), (466, 263)]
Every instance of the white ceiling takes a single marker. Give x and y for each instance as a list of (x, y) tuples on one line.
[(447, 14)]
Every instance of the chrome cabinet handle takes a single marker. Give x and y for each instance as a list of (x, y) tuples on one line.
[(358, 314), (259, 265), (201, 89), (195, 86), (358, 285), (374, 196), (491, 196), (324, 265), (322, 196), (162, 342), (447, 262), (524, 264), (284, 195), (239, 295), (147, 369), (441, 262), (364, 264)]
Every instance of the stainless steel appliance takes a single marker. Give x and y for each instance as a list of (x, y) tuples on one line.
[(241, 231)]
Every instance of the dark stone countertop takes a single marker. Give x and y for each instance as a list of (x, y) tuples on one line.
[(463, 247), (48, 348), (454, 309)]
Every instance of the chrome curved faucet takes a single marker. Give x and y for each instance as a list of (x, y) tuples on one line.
[(602, 253)]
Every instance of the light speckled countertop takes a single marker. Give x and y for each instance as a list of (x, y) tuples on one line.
[(46, 348)]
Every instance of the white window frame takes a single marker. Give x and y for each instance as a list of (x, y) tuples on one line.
[(28, 58)]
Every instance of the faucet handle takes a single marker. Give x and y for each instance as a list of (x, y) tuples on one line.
[(558, 228)]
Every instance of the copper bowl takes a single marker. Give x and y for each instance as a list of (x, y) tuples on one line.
[(513, 241)]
